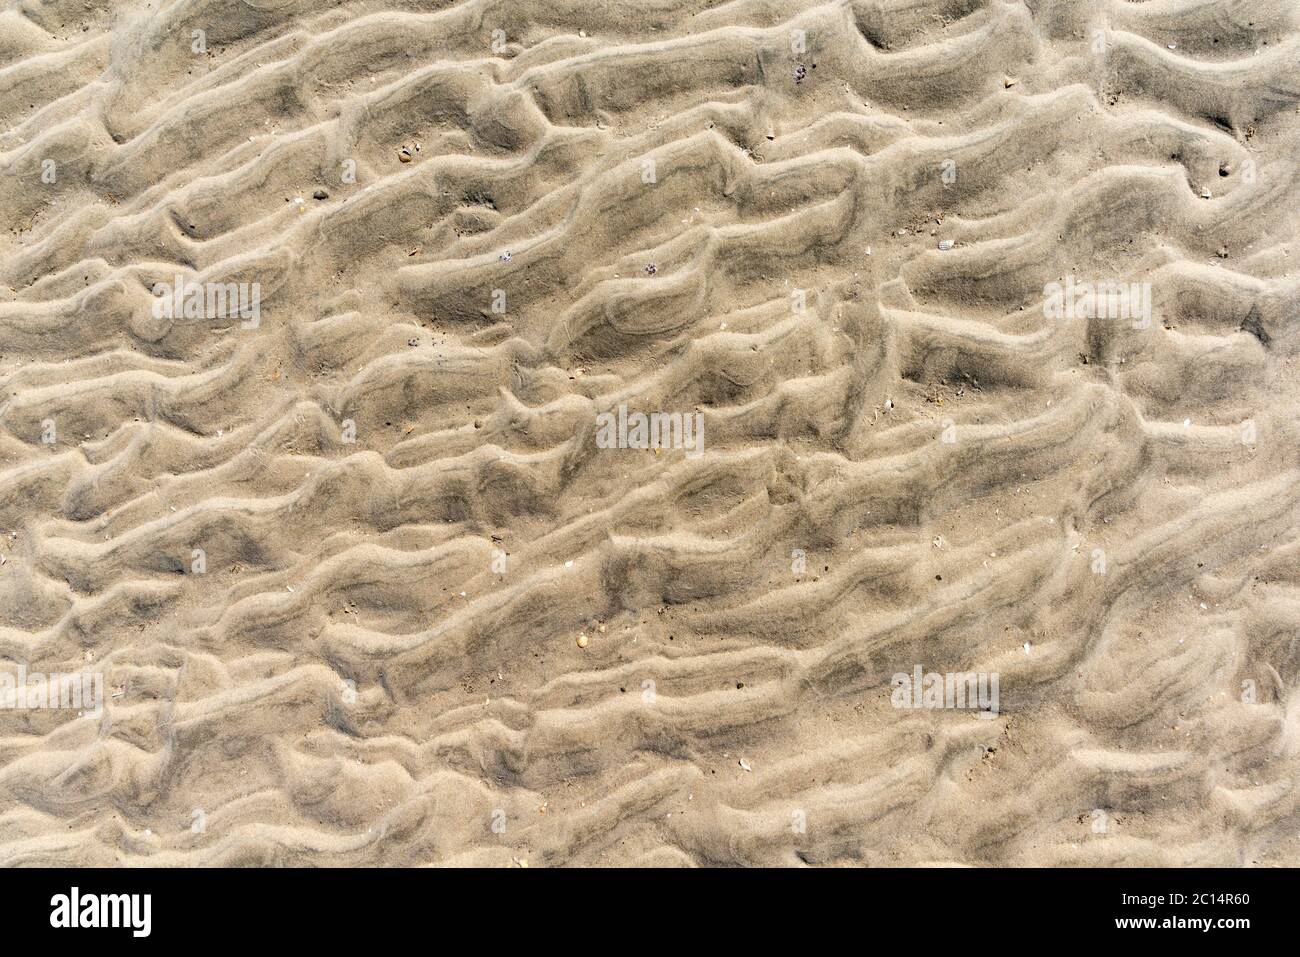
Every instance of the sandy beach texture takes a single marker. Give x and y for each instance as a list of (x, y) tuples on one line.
[(556, 433)]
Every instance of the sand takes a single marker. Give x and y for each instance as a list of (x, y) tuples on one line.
[(386, 570)]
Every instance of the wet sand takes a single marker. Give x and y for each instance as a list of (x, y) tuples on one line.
[(967, 330)]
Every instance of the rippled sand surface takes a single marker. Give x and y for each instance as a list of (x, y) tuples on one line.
[(366, 581)]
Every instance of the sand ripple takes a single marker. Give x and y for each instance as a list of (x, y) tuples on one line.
[(468, 245)]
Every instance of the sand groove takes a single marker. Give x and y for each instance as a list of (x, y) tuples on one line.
[(468, 246)]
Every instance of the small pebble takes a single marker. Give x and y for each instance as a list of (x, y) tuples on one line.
[(582, 641)]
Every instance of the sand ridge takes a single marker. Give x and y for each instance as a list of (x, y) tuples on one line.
[(333, 554)]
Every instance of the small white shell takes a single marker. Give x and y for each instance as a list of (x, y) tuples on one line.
[(946, 244)]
